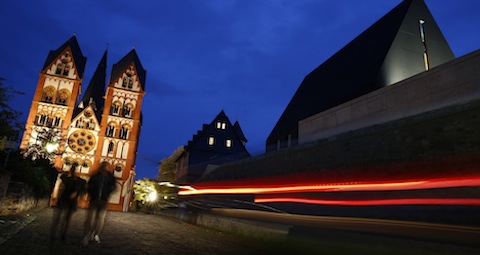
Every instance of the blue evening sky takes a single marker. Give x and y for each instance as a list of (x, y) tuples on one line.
[(246, 57)]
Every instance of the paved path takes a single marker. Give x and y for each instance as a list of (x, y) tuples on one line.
[(124, 233)]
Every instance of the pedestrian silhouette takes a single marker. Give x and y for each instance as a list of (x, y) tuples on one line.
[(100, 186), (71, 187)]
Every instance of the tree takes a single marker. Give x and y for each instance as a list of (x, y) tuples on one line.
[(9, 125), (166, 171), (39, 175)]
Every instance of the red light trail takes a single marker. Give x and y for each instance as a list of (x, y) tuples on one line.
[(467, 181), (372, 202)]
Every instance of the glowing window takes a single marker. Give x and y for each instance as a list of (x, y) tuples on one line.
[(62, 97), (228, 143), (211, 140), (221, 125), (48, 94)]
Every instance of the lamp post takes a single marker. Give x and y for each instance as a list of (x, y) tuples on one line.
[(424, 42)]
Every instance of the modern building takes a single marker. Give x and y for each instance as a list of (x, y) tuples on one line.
[(217, 143), (104, 125), (403, 43)]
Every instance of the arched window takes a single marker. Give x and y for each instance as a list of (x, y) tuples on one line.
[(57, 121), (80, 123), (91, 124), (66, 70), (42, 119), (111, 145), (115, 108), (124, 132), (62, 97), (118, 168), (110, 130), (48, 94), (64, 65), (60, 67), (127, 110), (67, 162)]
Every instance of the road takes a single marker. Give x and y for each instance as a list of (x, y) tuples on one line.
[(432, 232), (138, 233)]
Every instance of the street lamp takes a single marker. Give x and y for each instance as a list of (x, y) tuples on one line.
[(51, 147), (152, 196)]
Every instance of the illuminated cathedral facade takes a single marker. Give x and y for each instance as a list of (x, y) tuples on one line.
[(78, 131)]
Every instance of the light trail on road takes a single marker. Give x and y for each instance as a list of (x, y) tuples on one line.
[(371, 202), (467, 181)]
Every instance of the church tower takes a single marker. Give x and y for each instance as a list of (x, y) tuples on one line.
[(120, 125), (53, 103), (103, 126)]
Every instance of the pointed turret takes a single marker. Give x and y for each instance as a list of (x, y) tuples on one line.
[(124, 64), (389, 51), (78, 57), (96, 88)]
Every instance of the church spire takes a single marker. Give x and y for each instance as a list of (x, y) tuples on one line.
[(96, 88)]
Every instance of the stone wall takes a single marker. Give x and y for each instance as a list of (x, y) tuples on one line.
[(453, 83), (444, 140)]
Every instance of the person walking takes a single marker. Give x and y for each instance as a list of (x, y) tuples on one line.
[(72, 186), (100, 186)]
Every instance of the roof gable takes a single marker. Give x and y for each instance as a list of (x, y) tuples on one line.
[(77, 55), (121, 66), (86, 114), (220, 128)]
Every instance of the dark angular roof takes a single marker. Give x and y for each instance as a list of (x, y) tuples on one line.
[(239, 132), (387, 52), (220, 117), (77, 55), (96, 89), (123, 64)]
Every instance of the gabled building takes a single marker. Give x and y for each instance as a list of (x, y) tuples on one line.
[(104, 125), (403, 43), (217, 143)]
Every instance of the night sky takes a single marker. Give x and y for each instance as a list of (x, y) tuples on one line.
[(246, 57)]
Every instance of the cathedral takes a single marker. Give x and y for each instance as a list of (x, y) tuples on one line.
[(79, 131)]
